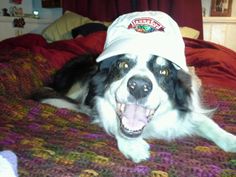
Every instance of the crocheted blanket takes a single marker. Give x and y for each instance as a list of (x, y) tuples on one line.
[(61, 143), (58, 143)]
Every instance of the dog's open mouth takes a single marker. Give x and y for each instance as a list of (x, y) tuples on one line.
[(133, 118)]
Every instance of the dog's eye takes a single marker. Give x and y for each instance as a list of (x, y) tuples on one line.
[(123, 65), (164, 72)]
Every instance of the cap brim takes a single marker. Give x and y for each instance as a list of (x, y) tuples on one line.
[(136, 46)]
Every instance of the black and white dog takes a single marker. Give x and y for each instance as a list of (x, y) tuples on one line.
[(137, 95), (136, 99)]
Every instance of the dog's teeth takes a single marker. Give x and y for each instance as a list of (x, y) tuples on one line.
[(118, 106), (122, 107)]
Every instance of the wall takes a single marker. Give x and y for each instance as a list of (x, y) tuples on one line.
[(207, 5), (234, 8), (51, 13), (30, 5)]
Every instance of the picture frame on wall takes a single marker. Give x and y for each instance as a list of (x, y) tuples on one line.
[(221, 8)]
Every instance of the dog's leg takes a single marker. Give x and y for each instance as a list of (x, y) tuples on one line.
[(135, 149), (207, 128)]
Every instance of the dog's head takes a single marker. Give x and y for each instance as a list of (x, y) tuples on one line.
[(137, 88), (145, 72)]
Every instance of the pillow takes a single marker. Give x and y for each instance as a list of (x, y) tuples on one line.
[(189, 32), (87, 29), (61, 28)]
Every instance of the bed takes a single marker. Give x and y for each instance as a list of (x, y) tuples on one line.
[(55, 142)]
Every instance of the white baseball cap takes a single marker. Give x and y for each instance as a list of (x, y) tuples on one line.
[(151, 32)]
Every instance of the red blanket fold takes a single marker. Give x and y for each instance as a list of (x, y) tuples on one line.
[(214, 64)]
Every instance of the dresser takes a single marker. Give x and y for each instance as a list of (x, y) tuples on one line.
[(32, 25), (221, 30)]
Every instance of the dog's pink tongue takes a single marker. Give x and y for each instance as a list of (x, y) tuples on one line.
[(134, 117)]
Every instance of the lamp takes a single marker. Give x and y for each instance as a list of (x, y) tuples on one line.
[(36, 14)]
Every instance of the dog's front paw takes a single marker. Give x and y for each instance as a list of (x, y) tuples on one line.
[(137, 149), (228, 143)]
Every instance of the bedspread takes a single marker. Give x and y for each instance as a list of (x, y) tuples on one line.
[(56, 142)]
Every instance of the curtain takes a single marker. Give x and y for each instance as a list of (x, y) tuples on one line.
[(104, 10), (184, 12)]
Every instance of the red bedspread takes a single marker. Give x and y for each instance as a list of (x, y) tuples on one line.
[(214, 64), (58, 52)]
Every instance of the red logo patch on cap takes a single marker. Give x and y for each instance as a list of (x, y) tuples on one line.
[(146, 25)]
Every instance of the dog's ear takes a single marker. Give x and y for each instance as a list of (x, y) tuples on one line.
[(183, 89), (80, 68), (97, 86)]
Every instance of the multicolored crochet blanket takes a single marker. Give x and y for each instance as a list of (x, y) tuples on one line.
[(51, 142)]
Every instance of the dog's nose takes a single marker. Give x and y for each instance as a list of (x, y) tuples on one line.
[(139, 86)]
